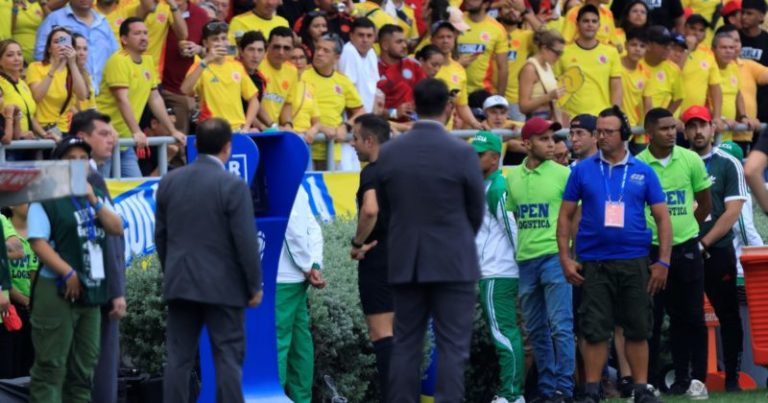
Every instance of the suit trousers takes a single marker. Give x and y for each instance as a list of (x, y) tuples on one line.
[(105, 376), (226, 330), (451, 306)]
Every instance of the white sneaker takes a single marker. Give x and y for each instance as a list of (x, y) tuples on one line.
[(499, 399), (697, 390), (520, 399)]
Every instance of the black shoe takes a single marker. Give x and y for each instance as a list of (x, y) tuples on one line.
[(646, 396), (625, 386), (590, 399), (559, 397), (679, 388), (732, 385)]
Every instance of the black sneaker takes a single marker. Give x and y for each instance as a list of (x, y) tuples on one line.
[(625, 386), (679, 388), (732, 385), (646, 396), (559, 397), (590, 399)]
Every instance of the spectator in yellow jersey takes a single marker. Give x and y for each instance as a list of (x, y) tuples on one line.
[(371, 9), (221, 82), (129, 85), (252, 50), (634, 81), (25, 19), (484, 46), (700, 68), (313, 26), (733, 111), (163, 15), (599, 64), (116, 13), (520, 38), (605, 32), (281, 78), (731, 13), (678, 51), (15, 91), (405, 17), (444, 34), (665, 87), (262, 18), (633, 16), (80, 44), (56, 82), (539, 90), (338, 97), (431, 60), (306, 113)]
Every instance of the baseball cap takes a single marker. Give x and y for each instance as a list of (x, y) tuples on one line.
[(697, 112), (730, 8), (66, 144), (694, 19), (536, 126), (659, 34), (758, 5), (495, 100), (732, 148), (584, 121), (679, 40), (455, 22), (486, 141)]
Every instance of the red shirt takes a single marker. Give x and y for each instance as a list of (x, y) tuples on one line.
[(176, 66), (396, 81)]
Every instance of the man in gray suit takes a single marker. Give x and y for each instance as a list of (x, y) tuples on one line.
[(207, 244), (431, 186)]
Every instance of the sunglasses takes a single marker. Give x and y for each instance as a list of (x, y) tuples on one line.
[(216, 26), (286, 48), (558, 52)]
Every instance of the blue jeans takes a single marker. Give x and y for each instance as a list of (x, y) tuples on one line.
[(129, 165), (546, 302)]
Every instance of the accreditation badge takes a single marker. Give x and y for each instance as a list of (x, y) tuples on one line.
[(97, 260), (614, 214)]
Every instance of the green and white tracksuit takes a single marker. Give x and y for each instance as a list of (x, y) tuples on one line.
[(499, 284), (745, 234), (302, 251)]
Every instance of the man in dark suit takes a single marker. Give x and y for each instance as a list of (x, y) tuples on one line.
[(432, 189), (207, 244)]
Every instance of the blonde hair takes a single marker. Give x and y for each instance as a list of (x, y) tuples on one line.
[(547, 38)]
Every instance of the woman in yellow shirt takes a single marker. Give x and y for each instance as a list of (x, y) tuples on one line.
[(56, 82), (15, 91), (306, 113), (25, 19), (81, 51)]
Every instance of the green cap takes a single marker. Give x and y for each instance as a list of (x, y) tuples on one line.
[(734, 149), (486, 141)]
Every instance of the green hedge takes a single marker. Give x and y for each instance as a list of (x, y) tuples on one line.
[(342, 349)]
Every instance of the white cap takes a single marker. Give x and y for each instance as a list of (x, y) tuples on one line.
[(495, 100)]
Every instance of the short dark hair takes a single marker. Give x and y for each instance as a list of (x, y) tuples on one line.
[(251, 37), (587, 8), (727, 28), (214, 27), (125, 27), (639, 34), (374, 126), (654, 115), (758, 5), (427, 51), (283, 32), (213, 135), (362, 22), (84, 121), (388, 30), (431, 96)]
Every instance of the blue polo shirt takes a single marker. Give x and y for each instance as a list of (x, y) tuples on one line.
[(587, 183)]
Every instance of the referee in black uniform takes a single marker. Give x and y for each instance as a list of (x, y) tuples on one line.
[(369, 243)]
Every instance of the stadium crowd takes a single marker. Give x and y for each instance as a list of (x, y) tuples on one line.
[(554, 279)]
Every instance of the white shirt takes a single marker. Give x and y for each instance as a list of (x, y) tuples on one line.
[(745, 233), (363, 71), (303, 246), (496, 242)]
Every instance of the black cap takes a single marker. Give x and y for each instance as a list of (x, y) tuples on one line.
[(69, 142), (679, 40), (694, 19), (659, 34), (758, 5)]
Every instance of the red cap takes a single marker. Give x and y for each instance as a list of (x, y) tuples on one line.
[(537, 126), (730, 8), (697, 112)]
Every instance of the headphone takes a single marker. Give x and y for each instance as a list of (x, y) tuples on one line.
[(625, 130)]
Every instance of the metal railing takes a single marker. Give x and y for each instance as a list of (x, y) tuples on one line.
[(163, 142)]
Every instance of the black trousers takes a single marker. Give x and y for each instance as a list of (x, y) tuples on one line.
[(16, 350), (683, 301), (451, 307), (226, 329), (720, 285)]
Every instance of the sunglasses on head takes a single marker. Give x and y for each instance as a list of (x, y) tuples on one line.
[(216, 26)]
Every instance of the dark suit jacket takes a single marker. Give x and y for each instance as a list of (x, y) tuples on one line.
[(115, 253), (206, 237), (432, 187)]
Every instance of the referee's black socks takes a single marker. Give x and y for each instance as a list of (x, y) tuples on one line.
[(383, 349)]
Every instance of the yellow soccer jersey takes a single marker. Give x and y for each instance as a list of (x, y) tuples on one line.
[(139, 78), (120, 14), (520, 48), (251, 22), (408, 24), (305, 107), (158, 22), (373, 12), (634, 84), (21, 96), (221, 89), (665, 85), (49, 109), (605, 34), (337, 94), (279, 89), (699, 72), (454, 76), (598, 65), (6, 9), (25, 29), (730, 82), (487, 38)]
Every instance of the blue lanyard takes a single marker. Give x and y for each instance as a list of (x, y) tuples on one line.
[(707, 162), (607, 186), (90, 221)]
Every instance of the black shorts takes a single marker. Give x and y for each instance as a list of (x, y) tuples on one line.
[(375, 291)]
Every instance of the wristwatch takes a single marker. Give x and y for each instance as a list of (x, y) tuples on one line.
[(355, 244)]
